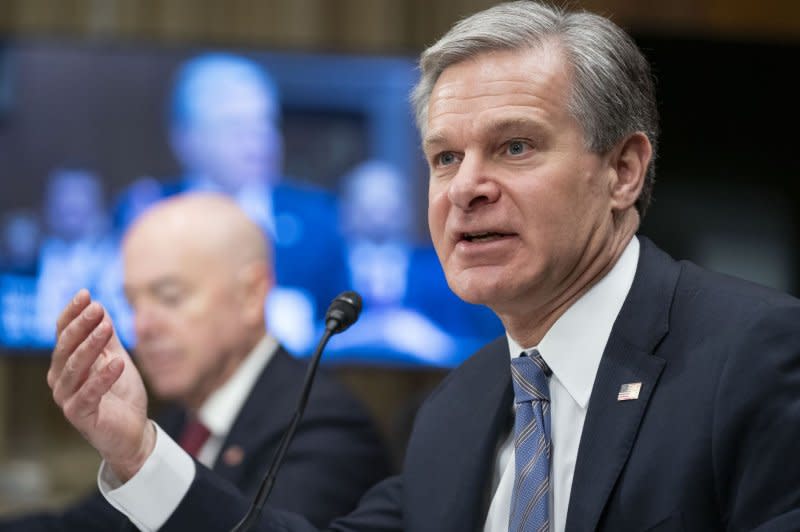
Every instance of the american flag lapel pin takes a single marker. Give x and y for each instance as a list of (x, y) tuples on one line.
[(629, 392)]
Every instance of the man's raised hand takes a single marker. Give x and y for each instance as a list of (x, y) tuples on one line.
[(96, 385)]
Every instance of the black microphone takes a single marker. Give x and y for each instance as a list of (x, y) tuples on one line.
[(342, 313)]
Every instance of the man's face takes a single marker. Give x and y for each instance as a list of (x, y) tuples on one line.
[(232, 135), (185, 312), (74, 205), (377, 206), (517, 205)]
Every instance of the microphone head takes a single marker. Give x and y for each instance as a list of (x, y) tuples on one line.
[(343, 312)]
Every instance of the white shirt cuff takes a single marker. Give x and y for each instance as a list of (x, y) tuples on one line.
[(150, 497)]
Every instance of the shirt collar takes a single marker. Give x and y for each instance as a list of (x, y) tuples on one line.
[(219, 411), (575, 343)]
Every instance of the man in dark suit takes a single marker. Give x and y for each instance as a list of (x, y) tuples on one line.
[(197, 271), (224, 132), (642, 393)]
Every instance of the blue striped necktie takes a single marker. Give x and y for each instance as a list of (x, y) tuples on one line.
[(531, 495)]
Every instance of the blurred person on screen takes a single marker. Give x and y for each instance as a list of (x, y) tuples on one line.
[(20, 238), (224, 131), (631, 391), (20, 235), (197, 272), (409, 315), (77, 246)]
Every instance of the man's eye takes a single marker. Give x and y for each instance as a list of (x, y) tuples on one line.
[(170, 298), (446, 158), (516, 147)]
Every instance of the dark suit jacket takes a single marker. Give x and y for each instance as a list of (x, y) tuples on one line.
[(710, 444), (334, 457)]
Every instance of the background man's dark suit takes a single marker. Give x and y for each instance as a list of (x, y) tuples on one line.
[(335, 455), (709, 444)]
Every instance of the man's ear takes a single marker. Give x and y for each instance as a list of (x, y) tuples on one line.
[(255, 280), (629, 161)]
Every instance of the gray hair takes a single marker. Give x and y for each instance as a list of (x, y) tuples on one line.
[(613, 93)]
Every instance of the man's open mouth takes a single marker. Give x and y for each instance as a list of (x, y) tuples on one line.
[(485, 236)]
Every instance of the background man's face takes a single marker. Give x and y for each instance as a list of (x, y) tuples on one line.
[(516, 202), (185, 310)]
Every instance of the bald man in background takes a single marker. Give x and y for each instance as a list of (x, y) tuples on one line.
[(197, 272)]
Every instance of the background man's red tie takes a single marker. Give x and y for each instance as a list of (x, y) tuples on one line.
[(193, 437)]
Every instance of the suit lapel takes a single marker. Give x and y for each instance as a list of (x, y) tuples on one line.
[(611, 424), (252, 427), (451, 486)]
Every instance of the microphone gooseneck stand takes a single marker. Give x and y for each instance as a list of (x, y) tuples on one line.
[(342, 313)]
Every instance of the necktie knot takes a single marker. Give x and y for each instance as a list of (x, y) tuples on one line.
[(529, 374)]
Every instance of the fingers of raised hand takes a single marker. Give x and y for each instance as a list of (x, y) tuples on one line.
[(86, 400), (72, 310), (79, 320), (71, 367)]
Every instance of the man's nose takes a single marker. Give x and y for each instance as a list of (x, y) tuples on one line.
[(144, 322), (473, 184)]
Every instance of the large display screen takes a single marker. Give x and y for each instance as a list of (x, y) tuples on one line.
[(320, 150)]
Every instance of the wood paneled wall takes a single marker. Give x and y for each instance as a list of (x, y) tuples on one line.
[(365, 25)]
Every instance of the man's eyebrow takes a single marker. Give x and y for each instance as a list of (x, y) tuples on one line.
[(156, 284), (437, 138), (162, 283), (166, 282), (517, 125)]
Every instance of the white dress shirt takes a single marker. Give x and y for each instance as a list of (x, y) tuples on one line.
[(222, 407), (572, 348), (150, 496)]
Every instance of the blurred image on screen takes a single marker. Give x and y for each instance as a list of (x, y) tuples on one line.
[(319, 149)]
